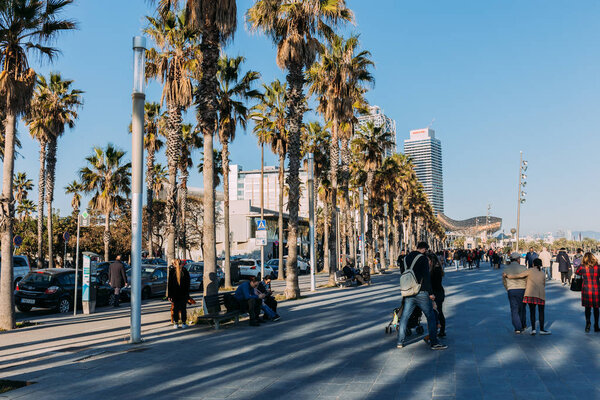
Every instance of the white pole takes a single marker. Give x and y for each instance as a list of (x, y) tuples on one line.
[(311, 220), (262, 205), (137, 168), (76, 265)]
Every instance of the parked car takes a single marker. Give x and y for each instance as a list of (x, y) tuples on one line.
[(154, 281), (55, 288), (21, 267), (102, 270), (249, 267), (303, 265), (196, 270), (274, 265), (154, 261)]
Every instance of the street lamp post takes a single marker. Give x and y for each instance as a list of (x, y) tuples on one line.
[(521, 194), (311, 220), (362, 226), (137, 154), (262, 204)]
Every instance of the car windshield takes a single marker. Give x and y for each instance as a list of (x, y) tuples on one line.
[(146, 272), (246, 262), (19, 262), (37, 277)]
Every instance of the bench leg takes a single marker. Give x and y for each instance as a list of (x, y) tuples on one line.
[(217, 324)]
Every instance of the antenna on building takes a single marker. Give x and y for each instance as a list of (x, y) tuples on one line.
[(431, 123)]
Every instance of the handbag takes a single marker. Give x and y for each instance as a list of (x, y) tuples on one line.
[(576, 284)]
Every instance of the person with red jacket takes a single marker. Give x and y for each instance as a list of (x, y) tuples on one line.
[(590, 290)]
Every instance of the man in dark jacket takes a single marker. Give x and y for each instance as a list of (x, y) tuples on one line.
[(420, 267), (564, 266), (248, 300), (117, 278), (529, 257)]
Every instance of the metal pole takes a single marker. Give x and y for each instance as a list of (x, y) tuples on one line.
[(76, 265), (386, 248), (362, 227), (311, 220), (262, 205), (137, 168), (519, 200), (65, 254)]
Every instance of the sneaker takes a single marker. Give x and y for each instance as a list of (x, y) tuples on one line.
[(175, 326), (533, 332), (400, 346), (517, 332), (439, 346), (587, 327), (543, 332), (183, 326), (276, 318)]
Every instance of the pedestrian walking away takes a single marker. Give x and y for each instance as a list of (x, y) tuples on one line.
[(417, 265), (546, 258), (117, 278), (535, 293), (515, 287), (564, 266), (178, 286), (437, 274), (590, 290)]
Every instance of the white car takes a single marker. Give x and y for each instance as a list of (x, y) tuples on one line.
[(21, 268), (250, 267), (303, 265)]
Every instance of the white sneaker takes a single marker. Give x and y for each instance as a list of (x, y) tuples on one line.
[(175, 326), (533, 332), (545, 333), (183, 326)]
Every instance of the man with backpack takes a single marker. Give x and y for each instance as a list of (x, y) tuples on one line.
[(415, 286)]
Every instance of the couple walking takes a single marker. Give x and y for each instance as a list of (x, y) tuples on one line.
[(525, 286)]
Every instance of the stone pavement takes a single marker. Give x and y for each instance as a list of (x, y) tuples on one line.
[(330, 345)]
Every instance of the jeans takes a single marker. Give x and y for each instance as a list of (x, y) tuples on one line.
[(268, 312), (548, 272), (517, 308), (422, 301)]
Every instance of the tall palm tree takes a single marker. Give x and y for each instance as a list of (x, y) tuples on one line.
[(25, 209), (25, 26), (191, 140), (152, 144), (75, 188), (233, 92), (54, 106), (173, 63), (160, 176), (295, 27), (108, 177), (22, 185), (270, 127)]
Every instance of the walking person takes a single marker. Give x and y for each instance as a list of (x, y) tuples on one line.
[(117, 278), (529, 257), (535, 293), (564, 266), (515, 287), (437, 274), (546, 258), (419, 264), (590, 289), (178, 293)]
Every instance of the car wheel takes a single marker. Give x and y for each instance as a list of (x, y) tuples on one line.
[(64, 305), (103, 278), (146, 293), (24, 308)]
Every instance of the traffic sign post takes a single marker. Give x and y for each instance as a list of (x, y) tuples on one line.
[(66, 237), (261, 238), (261, 225)]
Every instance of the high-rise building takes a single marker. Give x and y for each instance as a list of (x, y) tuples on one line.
[(425, 152), (379, 119)]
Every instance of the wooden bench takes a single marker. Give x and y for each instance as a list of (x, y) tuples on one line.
[(215, 311), (340, 279)]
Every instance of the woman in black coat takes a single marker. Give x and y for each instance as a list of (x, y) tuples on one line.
[(436, 273), (178, 292), (564, 266)]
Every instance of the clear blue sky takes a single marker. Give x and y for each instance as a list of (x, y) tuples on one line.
[(498, 77)]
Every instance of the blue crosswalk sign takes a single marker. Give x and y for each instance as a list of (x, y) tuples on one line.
[(261, 225)]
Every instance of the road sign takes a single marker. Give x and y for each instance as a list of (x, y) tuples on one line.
[(17, 241), (261, 238), (85, 219), (66, 236), (261, 225)]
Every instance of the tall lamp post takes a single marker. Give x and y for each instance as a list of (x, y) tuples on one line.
[(137, 154), (521, 194), (311, 219), (362, 226), (262, 204)]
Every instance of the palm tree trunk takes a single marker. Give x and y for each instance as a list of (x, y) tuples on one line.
[(352, 231), (334, 154), (380, 244), (173, 159), (326, 214), (397, 238), (150, 158), (346, 224), (280, 273), (40, 205), (207, 115), (226, 229), (106, 236), (369, 233), (391, 234), (50, 176), (7, 213), (183, 208), (295, 112)]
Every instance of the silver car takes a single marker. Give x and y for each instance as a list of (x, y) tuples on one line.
[(21, 268)]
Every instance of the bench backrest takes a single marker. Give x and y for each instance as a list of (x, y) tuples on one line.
[(213, 303)]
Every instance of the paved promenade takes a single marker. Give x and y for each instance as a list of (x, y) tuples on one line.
[(329, 345)]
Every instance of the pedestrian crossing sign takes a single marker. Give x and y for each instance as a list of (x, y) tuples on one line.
[(261, 225)]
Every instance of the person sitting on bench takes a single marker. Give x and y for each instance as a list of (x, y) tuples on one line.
[(269, 302), (248, 300), (350, 274)]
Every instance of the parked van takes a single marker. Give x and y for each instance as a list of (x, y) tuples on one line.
[(21, 268)]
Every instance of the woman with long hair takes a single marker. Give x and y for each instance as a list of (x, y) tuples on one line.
[(590, 289), (436, 273), (178, 293)]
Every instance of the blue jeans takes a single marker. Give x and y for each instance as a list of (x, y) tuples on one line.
[(268, 312), (422, 301), (517, 308)]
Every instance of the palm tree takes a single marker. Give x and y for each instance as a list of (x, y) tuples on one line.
[(271, 129), (191, 140), (232, 93), (295, 26), (22, 185), (53, 107), (25, 209), (152, 144), (75, 188), (25, 25), (173, 63), (218, 167), (160, 176), (108, 178)]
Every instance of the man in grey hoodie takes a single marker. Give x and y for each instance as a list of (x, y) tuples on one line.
[(516, 290)]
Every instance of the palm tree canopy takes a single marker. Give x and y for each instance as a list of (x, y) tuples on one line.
[(191, 140), (232, 92), (107, 177), (75, 188), (370, 143), (152, 141), (270, 117), (218, 166), (295, 25), (160, 174), (26, 26), (21, 185)]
